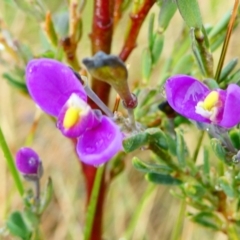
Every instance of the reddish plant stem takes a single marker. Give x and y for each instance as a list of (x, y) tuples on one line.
[(117, 12), (101, 38), (134, 27)]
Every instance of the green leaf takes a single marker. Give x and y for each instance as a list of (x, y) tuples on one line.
[(190, 12), (146, 96), (218, 149), (150, 31), (146, 65), (150, 135), (180, 148), (235, 137), (217, 42), (162, 179), (226, 186), (15, 82), (235, 77), (47, 197), (220, 26), (17, 226), (211, 83), (157, 47), (157, 137), (228, 69), (206, 165), (150, 167), (208, 219), (135, 142), (184, 65), (166, 13)]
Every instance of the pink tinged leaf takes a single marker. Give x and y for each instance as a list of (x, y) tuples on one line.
[(50, 84), (98, 145)]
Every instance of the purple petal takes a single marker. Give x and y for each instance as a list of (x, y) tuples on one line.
[(231, 113), (27, 161), (86, 119), (50, 84), (183, 93), (98, 145)]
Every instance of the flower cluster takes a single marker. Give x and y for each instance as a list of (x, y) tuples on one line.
[(194, 100), (58, 92)]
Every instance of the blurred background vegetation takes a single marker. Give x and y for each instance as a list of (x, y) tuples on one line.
[(64, 218)]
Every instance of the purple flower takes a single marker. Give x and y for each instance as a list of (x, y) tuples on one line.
[(194, 100), (27, 161), (51, 83), (105, 139), (56, 90)]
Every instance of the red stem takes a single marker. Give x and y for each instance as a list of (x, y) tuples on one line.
[(117, 12), (101, 38), (135, 24)]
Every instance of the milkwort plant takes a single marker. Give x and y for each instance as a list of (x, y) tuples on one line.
[(150, 123)]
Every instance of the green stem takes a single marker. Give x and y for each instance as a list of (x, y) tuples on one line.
[(93, 203), (139, 208), (176, 233), (10, 163), (195, 155)]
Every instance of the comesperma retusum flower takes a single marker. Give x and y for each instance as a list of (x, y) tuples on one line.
[(194, 100), (57, 91), (27, 161)]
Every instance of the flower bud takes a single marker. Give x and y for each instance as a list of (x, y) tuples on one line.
[(27, 161)]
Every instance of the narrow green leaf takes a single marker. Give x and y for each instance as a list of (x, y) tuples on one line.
[(217, 42), (146, 65), (180, 148), (206, 165), (162, 179), (150, 167), (47, 196), (235, 77), (218, 149), (228, 69), (135, 142), (220, 26), (146, 96), (211, 83), (166, 13), (208, 219), (190, 12), (184, 65), (157, 137), (16, 83), (150, 31), (157, 48), (150, 135)]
